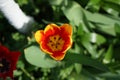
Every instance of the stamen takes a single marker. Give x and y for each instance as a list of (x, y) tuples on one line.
[(55, 43), (56, 46), (59, 38), (52, 44), (50, 41), (54, 38), (58, 43)]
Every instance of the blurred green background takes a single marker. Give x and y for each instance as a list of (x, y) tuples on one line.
[(95, 54)]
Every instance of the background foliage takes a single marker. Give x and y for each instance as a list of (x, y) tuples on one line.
[(95, 54)]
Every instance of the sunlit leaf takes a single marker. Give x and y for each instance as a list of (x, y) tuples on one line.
[(36, 57), (73, 12), (94, 38)]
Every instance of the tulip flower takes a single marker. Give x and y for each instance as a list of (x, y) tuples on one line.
[(55, 40), (8, 60)]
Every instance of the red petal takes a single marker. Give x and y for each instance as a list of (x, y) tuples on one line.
[(66, 29), (67, 44), (51, 29), (58, 56), (3, 50), (14, 58)]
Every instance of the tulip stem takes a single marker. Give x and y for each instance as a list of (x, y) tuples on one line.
[(27, 73)]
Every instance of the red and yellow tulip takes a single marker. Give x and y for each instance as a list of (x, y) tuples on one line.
[(55, 40)]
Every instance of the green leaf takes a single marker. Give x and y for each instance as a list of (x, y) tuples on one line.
[(108, 55), (89, 48), (22, 2), (73, 12), (77, 15), (55, 2), (111, 5), (36, 57), (94, 38), (110, 10), (117, 29), (66, 71), (108, 29), (77, 58), (78, 68), (94, 5), (113, 1), (110, 76), (17, 73), (103, 23), (20, 64), (101, 19)]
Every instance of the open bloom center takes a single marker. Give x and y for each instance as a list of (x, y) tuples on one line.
[(4, 65), (55, 42)]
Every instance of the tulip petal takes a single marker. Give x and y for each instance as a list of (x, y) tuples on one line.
[(51, 29), (39, 35), (68, 44), (66, 29), (58, 56), (45, 49)]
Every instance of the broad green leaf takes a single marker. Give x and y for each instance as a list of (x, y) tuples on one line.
[(103, 23), (36, 57), (94, 38), (110, 10), (73, 12), (101, 19), (107, 29), (77, 58)]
